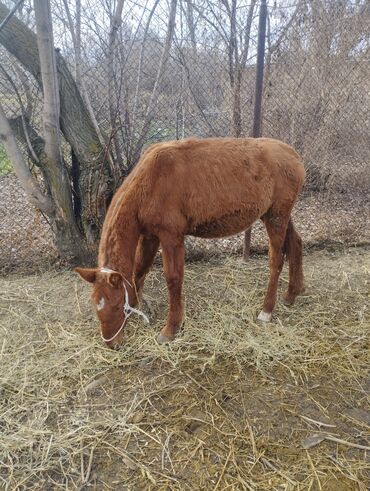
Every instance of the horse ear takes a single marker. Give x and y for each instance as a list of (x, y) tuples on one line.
[(115, 280), (87, 274)]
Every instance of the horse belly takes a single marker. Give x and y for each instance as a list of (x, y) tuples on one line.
[(226, 225)]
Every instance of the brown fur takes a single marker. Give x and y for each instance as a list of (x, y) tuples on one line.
[(203, 187)]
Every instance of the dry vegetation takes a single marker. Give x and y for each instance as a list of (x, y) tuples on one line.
[(229, 405)]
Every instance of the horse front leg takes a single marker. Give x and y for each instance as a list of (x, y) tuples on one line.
[(145, 253), (173, 254)]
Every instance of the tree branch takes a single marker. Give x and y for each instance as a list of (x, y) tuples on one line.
[(75, 121), (160, 72)]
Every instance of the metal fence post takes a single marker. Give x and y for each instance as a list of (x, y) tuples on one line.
[(257, 120)]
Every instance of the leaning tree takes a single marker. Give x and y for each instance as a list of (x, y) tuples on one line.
[(73, 195), (76, 166)]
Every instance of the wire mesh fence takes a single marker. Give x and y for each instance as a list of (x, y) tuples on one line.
[(26, 238), (317, 94), (171, 70)]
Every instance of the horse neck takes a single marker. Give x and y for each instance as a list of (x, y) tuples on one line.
[(119, 240)]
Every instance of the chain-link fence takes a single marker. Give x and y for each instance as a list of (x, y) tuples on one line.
[(179, 69), (317, 93)]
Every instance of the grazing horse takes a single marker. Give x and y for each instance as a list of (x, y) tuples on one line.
[(208, 188)]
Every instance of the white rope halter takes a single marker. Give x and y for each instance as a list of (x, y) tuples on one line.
[(127, 309)]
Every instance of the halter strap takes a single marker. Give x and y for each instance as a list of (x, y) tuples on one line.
[(108, 270), (127, 309)]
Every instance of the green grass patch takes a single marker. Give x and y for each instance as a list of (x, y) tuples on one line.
[(5, 164)]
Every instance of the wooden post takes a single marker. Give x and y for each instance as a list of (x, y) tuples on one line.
[(257, 119)]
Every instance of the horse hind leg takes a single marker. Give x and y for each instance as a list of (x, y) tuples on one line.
[(276, 227), (293, 250)]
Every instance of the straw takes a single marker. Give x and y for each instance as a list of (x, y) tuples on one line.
[(225, 406)]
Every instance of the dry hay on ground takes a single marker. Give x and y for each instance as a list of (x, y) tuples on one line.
[(229, 405)]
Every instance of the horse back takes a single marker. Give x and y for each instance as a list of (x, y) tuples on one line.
[(201, 181)]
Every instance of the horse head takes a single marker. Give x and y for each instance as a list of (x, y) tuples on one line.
[(109, 297)]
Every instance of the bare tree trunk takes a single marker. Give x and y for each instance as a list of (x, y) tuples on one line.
[(237, 63), (236, 111), (67, 238), (113, 102), (59, 183), (184, 64), (45, 43), (76, 39), (139, 75), (190, 21), (75, 123), (237, 50), (161, 69), (258, 96), (31, 188)]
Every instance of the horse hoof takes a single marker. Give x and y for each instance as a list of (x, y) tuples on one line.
[(162, 339), (288, 301), (290, 297), (264, 317)]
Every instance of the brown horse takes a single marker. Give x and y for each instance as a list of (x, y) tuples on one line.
[(202, 187)]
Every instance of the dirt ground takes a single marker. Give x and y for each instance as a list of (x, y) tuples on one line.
[(229, 405)]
